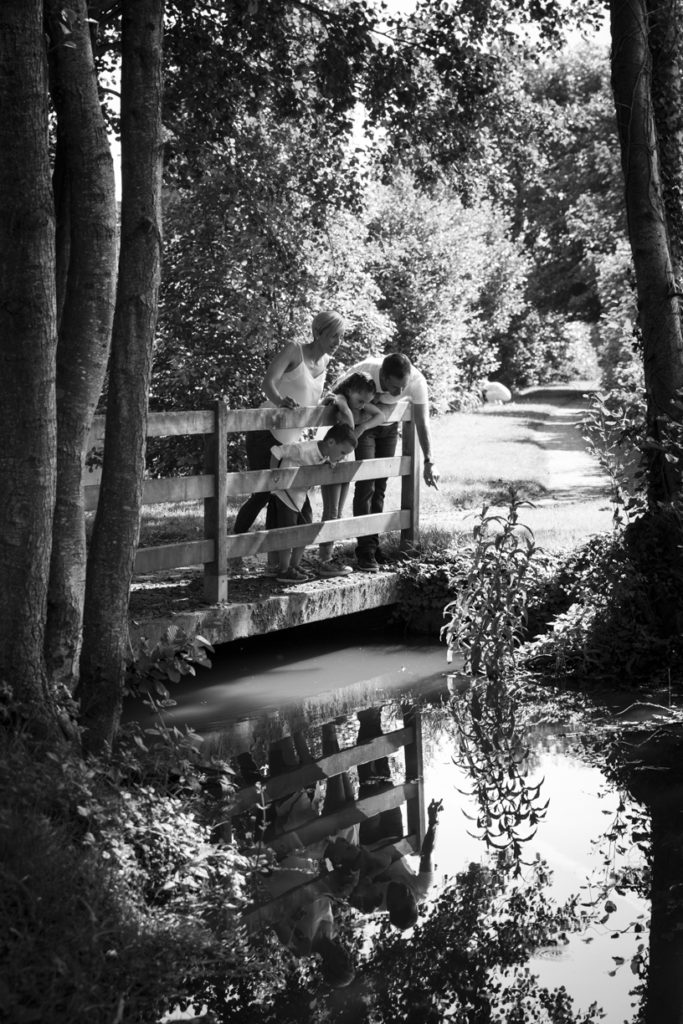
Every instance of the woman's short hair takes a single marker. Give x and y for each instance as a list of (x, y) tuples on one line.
[(326, 319), (359, 381)]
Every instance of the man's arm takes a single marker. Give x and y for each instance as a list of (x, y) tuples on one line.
[(428, 841), (421, 417)]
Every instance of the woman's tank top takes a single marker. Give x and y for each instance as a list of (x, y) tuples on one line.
[(305, 388)]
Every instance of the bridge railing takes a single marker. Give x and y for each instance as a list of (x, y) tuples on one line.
[(216, 485)]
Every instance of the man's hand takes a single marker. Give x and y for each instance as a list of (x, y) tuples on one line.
[(431, 474), (435, 807)]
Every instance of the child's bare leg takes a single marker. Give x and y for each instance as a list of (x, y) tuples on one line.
[(343, 495)]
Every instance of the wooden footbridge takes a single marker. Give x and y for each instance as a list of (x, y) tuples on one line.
[(223, 616)]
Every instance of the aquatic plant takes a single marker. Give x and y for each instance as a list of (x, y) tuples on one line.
[(486, 626), (488, 614)]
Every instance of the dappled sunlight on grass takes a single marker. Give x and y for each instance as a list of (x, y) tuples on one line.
[(170, 524)]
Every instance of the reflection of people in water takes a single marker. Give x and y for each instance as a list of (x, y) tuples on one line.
[(374, 778), (298, 810), (312, 930), (309, 927), (387, 878)]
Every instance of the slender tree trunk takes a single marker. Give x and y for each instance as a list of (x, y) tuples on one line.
[(117, 522), (666, 33), (88, 194), (27, 355), (648, 228)]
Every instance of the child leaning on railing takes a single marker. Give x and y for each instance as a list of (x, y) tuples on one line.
[(352, 399), (288, 507)]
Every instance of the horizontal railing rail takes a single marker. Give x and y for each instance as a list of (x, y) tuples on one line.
[(216, 485)]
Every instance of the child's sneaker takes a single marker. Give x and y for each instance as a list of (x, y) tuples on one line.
[(328, 567), (343, 568), (292, 575)]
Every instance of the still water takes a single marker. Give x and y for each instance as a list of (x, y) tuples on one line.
[(581, 881)]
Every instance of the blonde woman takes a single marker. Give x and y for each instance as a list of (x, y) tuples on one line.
[(296, 376)]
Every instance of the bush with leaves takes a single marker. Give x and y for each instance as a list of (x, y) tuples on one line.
[(615, 428), (620, 596), (427, 584), (466, 959), (545, 349), (612, 607), (115, 894), (253, 251), (451, 279), (174, 655)]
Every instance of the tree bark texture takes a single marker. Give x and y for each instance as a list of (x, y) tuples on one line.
[(117, 521), (87, 313), (648, 227), (665, 19), (27, 354)]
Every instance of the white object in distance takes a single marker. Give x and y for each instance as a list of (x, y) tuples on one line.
[(494, 391)]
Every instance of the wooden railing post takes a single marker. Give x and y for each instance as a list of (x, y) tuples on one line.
[(414, 755), (410, 484), (216, 508)]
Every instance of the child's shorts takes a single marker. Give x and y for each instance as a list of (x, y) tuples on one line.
[(281, 515)]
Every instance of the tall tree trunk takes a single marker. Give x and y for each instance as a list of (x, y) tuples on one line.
[(648, 228), (87, 313), (27, 355), (665, 29), (117, 522)]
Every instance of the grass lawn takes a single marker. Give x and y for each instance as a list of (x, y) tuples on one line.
[(534, 445)]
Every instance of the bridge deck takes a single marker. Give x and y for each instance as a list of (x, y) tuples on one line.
[(256, 604)]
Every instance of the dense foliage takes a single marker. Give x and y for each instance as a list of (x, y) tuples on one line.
[(460, 257), (126, 880)]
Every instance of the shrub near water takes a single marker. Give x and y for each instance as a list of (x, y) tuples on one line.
[(428, 584), (612, 609), (114, 900)]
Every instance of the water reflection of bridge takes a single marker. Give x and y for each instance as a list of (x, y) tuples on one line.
[(407, 796)]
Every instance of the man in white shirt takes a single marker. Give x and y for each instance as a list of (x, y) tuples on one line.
[(395, 379)]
